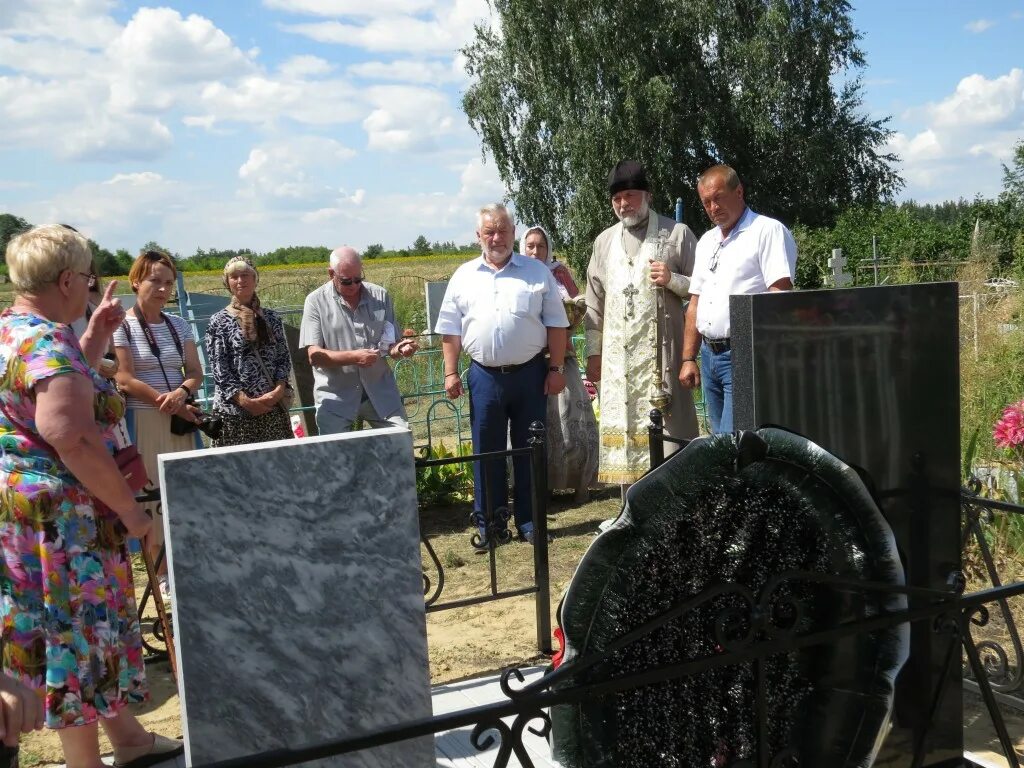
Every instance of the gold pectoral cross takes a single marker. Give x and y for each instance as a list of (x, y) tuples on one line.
[(629, 292)]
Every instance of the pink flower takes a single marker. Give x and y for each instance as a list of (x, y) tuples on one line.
[(1008, 431)]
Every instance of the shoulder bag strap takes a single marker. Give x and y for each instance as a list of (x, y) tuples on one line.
[(151, 340)]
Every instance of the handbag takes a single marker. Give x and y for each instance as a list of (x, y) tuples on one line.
[(129, 460)]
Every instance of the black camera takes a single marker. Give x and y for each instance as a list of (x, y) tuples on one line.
[(210, 424)]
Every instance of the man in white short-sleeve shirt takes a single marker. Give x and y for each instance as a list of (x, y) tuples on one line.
[(503, 309), (745, 253)]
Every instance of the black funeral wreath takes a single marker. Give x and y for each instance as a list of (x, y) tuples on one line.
[(731, 513)]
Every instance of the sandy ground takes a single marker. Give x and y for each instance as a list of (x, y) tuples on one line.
[(466, 642)]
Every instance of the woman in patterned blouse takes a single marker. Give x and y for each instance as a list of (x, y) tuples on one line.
[(248, 355)]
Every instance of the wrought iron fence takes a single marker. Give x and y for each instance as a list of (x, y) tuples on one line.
[(949, 612), (750, 639), (1001, 651), (491, 530)]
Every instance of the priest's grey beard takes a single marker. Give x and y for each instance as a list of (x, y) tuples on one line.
[(635, 218)]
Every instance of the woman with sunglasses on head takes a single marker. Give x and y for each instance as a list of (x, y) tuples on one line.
[(70, 625), (248, 355), (158, 370)]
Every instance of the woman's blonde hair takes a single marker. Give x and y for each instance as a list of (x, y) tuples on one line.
[(37, 257), (142, 266), (240, 264)]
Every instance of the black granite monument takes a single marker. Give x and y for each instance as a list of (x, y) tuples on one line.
[(872, 375)]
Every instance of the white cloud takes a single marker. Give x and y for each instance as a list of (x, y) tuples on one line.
[(113, 211), (299, 168), (961, 140), (407, 118), (409, 71), (924, 146), (350, 7), (980, 101), (305, 66), (443, 31), (263, 100), (979, 25), (85, 22)]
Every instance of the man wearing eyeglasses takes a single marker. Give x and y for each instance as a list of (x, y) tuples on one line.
[(744, 253), (349, 330)]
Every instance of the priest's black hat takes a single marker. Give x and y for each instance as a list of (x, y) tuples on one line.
[(627, 174)]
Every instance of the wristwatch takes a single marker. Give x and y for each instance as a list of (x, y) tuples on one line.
[(556, 368)]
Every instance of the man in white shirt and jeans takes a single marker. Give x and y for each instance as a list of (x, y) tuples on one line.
[(745, 253), (504, 310)]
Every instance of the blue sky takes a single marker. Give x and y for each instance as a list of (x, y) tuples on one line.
[(264, 123)]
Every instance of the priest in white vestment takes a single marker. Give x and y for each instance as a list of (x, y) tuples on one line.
[(637, 280)]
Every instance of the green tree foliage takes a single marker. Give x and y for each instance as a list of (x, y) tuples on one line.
[(421, 246), (10, 225), (1013, 177), (912, 233), (373, 251), (565, 90)]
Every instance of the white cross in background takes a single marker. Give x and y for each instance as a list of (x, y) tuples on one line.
[(840, 278)]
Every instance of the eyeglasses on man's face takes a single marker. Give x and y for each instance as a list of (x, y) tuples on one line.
[(349, 280)]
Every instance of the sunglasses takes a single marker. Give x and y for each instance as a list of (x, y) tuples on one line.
[(350, 280), (714, 259)]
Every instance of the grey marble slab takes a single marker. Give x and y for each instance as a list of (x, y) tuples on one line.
[(298, 595)]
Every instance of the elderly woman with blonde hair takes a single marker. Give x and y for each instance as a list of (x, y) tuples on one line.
[(69, 620), (248, 355)]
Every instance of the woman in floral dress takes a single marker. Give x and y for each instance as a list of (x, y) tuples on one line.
[(69, 622)]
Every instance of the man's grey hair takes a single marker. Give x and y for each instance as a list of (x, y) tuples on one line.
[(346, 254), (492, 211)]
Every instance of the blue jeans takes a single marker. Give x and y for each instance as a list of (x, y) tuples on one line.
[(501, 407), (716, 381)]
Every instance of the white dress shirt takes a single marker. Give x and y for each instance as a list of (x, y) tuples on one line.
[(757, 253), (502, 315)]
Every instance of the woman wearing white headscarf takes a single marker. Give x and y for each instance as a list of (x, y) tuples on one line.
[(249, 358), (572, 434)]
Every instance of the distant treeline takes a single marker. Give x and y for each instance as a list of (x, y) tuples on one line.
[(119, 262), (906, 233), (910, 233)]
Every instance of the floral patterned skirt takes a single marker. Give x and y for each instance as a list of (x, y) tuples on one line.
[(70, 625), (242, 430)]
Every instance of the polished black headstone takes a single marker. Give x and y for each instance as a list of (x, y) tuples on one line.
[(872, 375)]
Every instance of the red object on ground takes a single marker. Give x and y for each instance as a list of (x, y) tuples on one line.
[(556, 660)]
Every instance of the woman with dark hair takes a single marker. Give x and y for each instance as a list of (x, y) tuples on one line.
[(159, 371), (248, 355), (571, 425)]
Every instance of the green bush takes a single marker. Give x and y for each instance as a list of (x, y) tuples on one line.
[(447, 483)]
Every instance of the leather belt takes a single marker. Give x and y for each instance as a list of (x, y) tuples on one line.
[(718, 346), (508, 368)]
